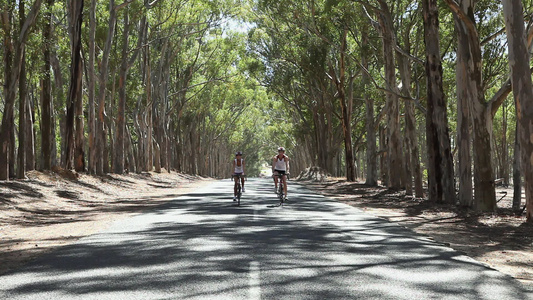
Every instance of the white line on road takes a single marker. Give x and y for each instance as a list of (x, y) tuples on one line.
[(254, 282)]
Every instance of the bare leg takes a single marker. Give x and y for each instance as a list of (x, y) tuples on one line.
[(285, 185)]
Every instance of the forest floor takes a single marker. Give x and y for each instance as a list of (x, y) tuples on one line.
[(49, 210), (501, 240)]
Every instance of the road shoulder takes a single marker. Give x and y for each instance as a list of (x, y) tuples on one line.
[(50, 210), (500, 240)]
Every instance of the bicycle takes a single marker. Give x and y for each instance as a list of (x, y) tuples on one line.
[(239, 188), (280, 192)]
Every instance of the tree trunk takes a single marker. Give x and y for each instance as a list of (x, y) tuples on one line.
[(395, 164), (519, 60), (12, 75), (12, 148), (102, 84), (8, 109), (23, 94), (480, 110), (30, 135), (466, 196), (346, 114), (517, 173), (440, 164), (74, 94), (91, 87), (371, 149), (121, 112), (157, 157), (383, 155), (504, 170)]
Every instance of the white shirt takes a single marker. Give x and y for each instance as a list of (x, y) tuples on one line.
[(280, 164), (239, 169)]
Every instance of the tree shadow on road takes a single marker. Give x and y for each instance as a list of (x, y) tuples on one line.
[(195, 245)]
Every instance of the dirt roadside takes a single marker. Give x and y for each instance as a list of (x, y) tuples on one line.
[(500, 240), (49, 210)]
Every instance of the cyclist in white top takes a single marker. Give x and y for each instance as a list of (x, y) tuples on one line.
[(280, 165), (238, 169)]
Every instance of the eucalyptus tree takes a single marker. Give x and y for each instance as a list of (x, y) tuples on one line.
[(91, 85), (440, 165), (23, 91), (474, 75), (75, 139), (13, 40), (100, 129), (519, 61), (304, 74)]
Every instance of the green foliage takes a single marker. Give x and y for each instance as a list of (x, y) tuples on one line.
[(255, 75)]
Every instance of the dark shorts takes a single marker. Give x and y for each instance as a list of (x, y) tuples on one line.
[(280, 172), (237, 174)]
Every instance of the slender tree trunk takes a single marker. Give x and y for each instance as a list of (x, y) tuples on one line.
[(383, 155), (466, 196), (30, 135), (121, 112), (346, 114), (517, 173), (12, 148), (371, 150), (12, 76), (8, 108), (21, 174), (504, 171), (157, 157), (74, 94), (395, 164), (91, 89), (100, 130), (410, 130), (519, 60), (440, 164)]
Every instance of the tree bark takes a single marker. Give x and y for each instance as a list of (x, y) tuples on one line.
[(371, 149), (121, 112), (46, 117), (519, 60), (412, 152), (100, 130), (12, 67), (30, 135), (504, 165), (480, 110), (440, 164), (346, 114), (74, 94), (91, 89), (395, 164), (517, 174), (464, 127), (21, 166)]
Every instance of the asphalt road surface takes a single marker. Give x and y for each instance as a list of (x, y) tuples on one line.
[(201, 246)]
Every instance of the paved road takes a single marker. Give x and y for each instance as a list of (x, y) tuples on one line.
[(200, 246)]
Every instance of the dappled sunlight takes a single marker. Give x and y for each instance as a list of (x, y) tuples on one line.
[(198, 247)]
